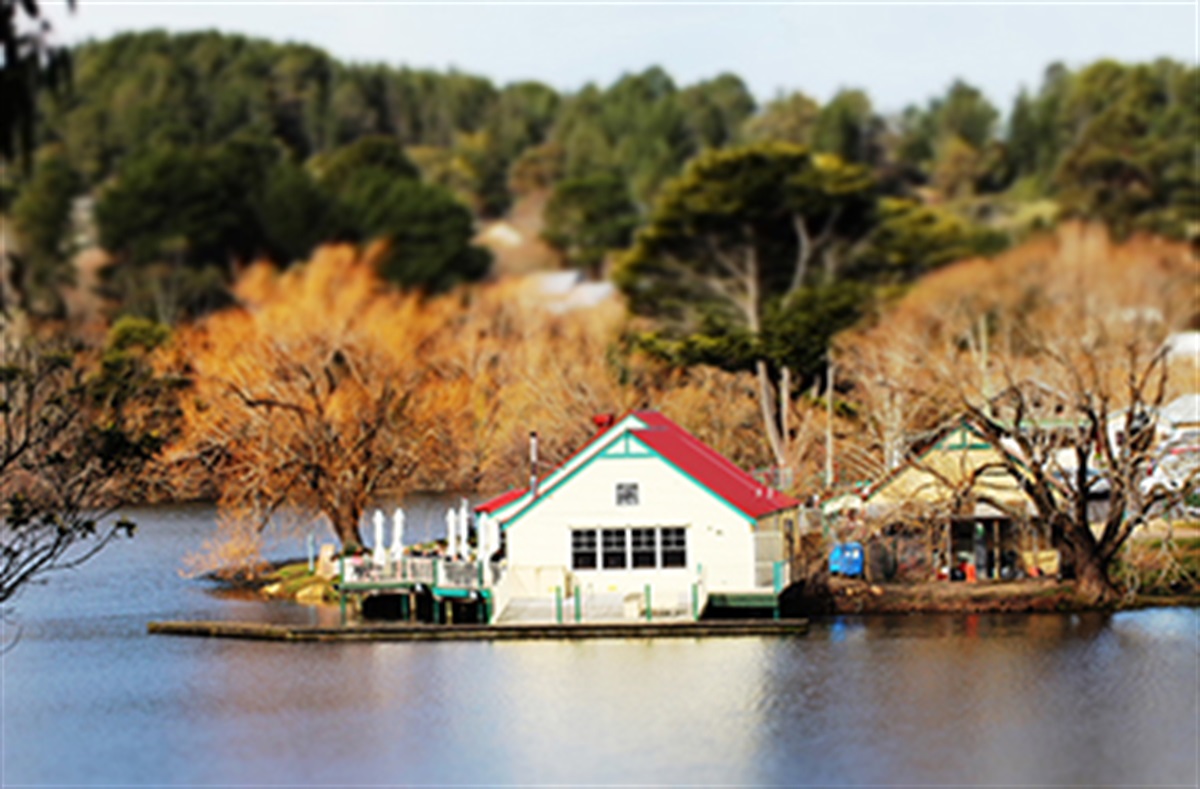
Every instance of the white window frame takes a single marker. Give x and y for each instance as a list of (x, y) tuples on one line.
[(627, 532)]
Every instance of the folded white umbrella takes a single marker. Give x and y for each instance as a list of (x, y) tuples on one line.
[(397, 534), (464, 529), (451, 532), (378, 552)]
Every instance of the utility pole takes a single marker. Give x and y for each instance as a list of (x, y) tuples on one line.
[(983, 363), (829, 425)]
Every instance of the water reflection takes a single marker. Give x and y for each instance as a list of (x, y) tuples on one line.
[(1031, 700)]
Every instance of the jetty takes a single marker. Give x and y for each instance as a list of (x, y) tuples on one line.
[(262, 631)]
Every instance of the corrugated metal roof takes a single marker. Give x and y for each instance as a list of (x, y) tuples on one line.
[(735, 486), (710, 468)]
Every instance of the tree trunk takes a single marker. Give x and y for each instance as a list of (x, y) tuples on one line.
[(344, 521), (750, 308), (803, 253), (348, 536), (765, 401), (1092, 580), (785, 430)]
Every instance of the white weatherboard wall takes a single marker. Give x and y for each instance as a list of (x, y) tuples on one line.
[(719, 537)]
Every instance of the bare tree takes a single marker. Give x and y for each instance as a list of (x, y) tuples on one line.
[(891, 387), (1054, 355), (1104, 445), (63, 451), (308, 399)]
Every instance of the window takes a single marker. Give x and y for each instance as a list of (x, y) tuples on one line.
[(674, 547), (620, 549), (627, 494), (644, 549), (583, 549), (613, 549)]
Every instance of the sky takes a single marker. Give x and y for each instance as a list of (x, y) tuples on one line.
[(900, 53)]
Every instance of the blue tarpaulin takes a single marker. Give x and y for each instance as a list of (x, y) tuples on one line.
[(846, 559)]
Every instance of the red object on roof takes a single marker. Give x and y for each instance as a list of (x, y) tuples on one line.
[(710, 468)]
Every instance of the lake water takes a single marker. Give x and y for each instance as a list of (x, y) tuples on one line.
[(89, 698)]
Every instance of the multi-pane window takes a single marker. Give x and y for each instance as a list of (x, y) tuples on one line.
[(674, 547), (627, 494), (613, 549), (583, 549), (644, 552), (636, 548)]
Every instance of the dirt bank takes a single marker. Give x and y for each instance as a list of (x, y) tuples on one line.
[(832, 596)]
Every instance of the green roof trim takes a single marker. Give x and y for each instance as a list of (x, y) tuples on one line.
[(651, 451), (937, 446), (648, 452), (550, 482)]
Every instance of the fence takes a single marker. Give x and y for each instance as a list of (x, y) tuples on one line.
[(428, 570), (580, 603)]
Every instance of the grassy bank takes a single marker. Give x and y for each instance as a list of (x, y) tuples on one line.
[(1155, 567), (295, 582)]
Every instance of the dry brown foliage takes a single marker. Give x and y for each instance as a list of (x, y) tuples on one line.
[(911, 366), (309, 394), (326, 389), (1068, 331)]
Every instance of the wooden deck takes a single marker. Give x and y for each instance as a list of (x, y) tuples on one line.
[(410, 632)]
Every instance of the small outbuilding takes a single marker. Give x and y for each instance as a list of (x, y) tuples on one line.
[(644, 512), (961, 491)]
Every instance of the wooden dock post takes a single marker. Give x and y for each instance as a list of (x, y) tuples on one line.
[(777, 583)]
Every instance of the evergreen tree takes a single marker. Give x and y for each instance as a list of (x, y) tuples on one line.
[(586, 218)]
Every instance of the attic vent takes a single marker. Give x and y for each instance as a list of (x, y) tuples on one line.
[(627, 494)]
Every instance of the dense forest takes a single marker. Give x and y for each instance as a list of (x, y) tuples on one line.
[(204, 151)]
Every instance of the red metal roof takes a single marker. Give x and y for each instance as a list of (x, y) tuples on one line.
[(693, 457), (493, 504), (710, 468)]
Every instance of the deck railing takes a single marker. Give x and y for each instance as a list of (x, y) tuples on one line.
[(429, 570)]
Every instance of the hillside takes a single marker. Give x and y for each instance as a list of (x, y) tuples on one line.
[(212, 150)]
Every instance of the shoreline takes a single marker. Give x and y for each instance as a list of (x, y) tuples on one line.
[(290, 582), (824, 595), (843, 596)]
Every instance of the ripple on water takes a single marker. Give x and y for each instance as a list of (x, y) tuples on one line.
[(1033, 700)]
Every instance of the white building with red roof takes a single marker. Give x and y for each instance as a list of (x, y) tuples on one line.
[(644, 511)]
